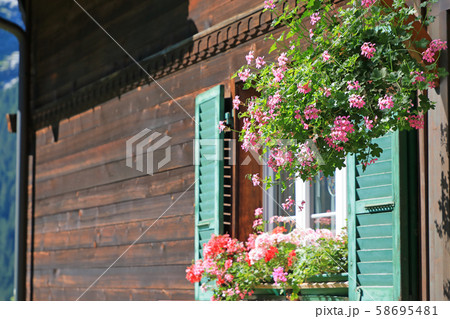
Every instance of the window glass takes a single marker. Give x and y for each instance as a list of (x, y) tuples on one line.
[(323, 194)]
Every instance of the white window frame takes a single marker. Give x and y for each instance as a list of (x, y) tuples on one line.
[(302, 190)]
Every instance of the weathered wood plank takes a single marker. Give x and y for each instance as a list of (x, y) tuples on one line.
[(152, 277), (124, 212), (180, 252), (164, 229), (171, 124), (132, 107), (112, 172), (111, 294), (173, 181)]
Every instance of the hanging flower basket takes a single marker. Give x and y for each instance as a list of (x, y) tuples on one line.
[(337, 79)]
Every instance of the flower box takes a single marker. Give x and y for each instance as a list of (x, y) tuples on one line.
[(333, 287)]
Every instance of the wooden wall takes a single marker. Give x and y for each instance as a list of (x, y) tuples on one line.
[(89, 206), (437, 174), (70, 51)]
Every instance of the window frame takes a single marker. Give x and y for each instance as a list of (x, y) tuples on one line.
[(302, 193)]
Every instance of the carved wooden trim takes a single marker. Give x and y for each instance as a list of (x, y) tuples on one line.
[(217, 39)]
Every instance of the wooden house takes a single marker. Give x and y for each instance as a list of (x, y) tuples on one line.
[(102, 72)]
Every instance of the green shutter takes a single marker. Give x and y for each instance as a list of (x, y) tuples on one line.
[(378, 217), (209, 110)]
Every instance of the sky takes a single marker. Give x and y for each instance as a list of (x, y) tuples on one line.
[(9, 53)]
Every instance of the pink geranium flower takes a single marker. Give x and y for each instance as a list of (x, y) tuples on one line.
[(244, 75), (326, 56), (222, 126), (258, 212), (249, 57), (260, 62), (279, 275), (236, 102), (385, 102), (282, 60), (367, 50), (368, 122), (353, 85), (303, 88), (435, 46), (356, 101), (269, 4), (315, 18), (255, 180), (367, 3)]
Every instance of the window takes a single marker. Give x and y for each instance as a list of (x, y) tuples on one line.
[(325, 202)]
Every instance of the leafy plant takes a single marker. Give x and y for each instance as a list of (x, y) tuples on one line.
[(232, 269), (342, 77)]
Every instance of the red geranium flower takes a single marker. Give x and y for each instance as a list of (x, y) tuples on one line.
[(279, 230), (271, 252)]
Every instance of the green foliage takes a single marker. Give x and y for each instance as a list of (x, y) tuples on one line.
[(307, 98), (8, 104), (231, 269)]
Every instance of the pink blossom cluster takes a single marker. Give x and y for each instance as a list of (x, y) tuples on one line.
[(278, 158), (278, 73), (273, 101), (315, 18), (233, 291), (222, 126), (258, 212), (236, 102), (269, 4), (356, 101), (305, 89), (326, 56), (257, 222), (326, 91), (244, 75), (289, 202), (416, 121), (282, 60), (260, 62), (299, 237), (311, 112), (385, 102), (249, 57), (372, 161), (342, 127), (255, 179), (367, 50), (419, 77), (368, 3), (368, 122), (279, 275), (250, 141), (435, 46), (353, 85), (305, 156)]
